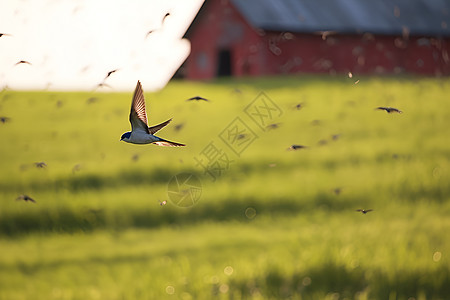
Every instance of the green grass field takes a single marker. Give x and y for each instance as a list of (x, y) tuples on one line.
[(269, 223)]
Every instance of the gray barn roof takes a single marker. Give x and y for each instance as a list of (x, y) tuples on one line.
[(421, 17)]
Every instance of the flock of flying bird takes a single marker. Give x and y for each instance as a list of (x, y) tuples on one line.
[(141, 133)]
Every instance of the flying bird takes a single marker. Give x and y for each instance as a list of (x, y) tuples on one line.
[(296, 147), (178, 127), (149, 32), (298, 106), (364, 211), (22, 62), (273, 126), (102, 84), (40, 165), (165, 16), (109, 73), (140, 132), (4, 119), (389, 109), (25, 198), (4, 34), (197, 98)]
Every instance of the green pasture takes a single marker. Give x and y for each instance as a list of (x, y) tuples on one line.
[(265, 223)]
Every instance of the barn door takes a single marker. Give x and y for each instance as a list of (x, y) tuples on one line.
[(224, 63)]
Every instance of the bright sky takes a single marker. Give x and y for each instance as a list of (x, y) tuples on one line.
[(73, 44)]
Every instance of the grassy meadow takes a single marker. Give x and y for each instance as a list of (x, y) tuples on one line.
[(270, 223)]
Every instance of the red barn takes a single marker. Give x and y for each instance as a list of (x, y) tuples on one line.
[(265, 37)]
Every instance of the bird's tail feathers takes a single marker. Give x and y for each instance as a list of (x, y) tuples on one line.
[(166, 143)]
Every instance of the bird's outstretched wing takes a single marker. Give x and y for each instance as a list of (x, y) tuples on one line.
[(138, 115), (156, 128)]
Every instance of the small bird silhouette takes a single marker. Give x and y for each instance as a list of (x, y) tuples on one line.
[(22, 62), (364, 211), (273, 126), (335, 137), (102, 84), (389, 109), (140, 132), (165, 16), (178, 127), (337, 191), (296, 147), (149, 32), (91, 100), (40, 165), (25, 198), (109, 73), (298, 106), (242, 136), (4, 119), (197, 98)]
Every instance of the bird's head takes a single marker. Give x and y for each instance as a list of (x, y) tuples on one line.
[(126, 136)]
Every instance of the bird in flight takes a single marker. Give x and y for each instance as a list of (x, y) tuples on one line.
[(197, 98), (296, 147), (102, 84), (109, 74), (364, 211), (4, 119), (165, 16), (389, 109), (40, 164), (25, 198), (298, 106), (4, 34), (140, 132), (22, 62), (273, 126)]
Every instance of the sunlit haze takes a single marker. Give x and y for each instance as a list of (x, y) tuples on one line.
[(72, 45)]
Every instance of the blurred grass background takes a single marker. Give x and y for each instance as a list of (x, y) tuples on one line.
[(98, 230)]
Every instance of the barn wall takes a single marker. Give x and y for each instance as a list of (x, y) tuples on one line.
[(366, 54), (255, 52)]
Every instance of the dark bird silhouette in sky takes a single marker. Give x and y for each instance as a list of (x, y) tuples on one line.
[(153, 30), (364, 211), (25, 198), (109, 73), (389, 109), (197, 98), (165, 16), (102, 84), (22, 62)]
